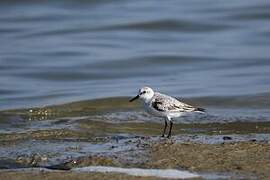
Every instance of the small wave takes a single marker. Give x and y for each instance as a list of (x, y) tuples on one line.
[(168, 25)]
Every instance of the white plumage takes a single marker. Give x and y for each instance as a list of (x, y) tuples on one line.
[(163, 106)]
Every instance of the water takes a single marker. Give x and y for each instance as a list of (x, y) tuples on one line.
[(67, 68), (63, 51)]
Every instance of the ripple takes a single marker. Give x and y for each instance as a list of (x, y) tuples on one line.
[(168, 25)]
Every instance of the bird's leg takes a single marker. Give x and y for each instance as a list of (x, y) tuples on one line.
[(170, 132), (165, 127)]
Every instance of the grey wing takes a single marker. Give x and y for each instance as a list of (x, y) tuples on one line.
[(166, 103)]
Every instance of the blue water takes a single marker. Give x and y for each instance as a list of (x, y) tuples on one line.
[(63, 51)]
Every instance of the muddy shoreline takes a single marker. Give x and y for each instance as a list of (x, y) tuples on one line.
[(243, 158), (50, 142), (230, 158)]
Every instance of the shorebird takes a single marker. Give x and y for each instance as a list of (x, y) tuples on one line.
[(162, 105)]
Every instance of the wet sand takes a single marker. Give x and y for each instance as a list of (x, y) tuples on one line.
[(247, 159), (59, 139), (229, 159)]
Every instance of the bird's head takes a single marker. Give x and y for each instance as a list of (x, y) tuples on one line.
[(145, 94)]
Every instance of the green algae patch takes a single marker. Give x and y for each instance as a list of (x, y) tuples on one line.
[(74, 109), (104, 128), (101, 128), (41, 135)]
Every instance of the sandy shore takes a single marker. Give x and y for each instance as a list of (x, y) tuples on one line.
[(232, 159), (243, 158)]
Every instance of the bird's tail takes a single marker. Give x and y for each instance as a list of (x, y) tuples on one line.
[(200, 110)]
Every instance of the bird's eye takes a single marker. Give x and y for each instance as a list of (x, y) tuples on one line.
[(143, 92)]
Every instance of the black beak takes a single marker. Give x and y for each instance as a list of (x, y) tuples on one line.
[(136, 97)]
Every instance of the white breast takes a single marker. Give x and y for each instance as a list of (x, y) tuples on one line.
[(152, 111)]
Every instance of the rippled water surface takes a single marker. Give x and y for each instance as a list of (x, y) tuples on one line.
[(62, 51)]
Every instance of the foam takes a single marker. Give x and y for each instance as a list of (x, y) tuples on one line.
[(162, 173)]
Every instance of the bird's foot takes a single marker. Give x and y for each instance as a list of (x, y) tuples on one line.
[(169, 135)]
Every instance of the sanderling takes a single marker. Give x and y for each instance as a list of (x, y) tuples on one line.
[(163, 106)]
